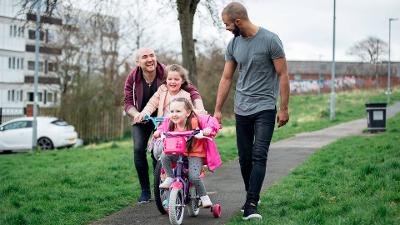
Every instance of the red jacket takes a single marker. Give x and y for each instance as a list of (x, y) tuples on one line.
[(134, 90)]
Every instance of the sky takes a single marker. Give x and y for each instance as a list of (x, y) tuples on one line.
[(304, 26)]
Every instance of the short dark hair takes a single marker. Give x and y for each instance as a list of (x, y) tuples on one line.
[(235, 10)]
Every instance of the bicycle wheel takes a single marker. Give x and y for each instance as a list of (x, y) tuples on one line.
[(176, 206), (160, 195), (193, 209)]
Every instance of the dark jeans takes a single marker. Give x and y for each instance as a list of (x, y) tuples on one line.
[(141, 134), (254, 133)]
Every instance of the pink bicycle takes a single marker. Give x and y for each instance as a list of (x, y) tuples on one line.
[(181, 192)]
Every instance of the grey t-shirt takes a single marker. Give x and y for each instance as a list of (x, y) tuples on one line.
[(257, 87)]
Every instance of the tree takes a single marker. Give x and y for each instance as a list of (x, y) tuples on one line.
[(369, 50)]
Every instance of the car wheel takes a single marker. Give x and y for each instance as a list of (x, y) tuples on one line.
[(45, 143)]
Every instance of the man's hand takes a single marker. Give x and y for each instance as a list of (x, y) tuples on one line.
[(138, 118), (218, 116), (282, 118)]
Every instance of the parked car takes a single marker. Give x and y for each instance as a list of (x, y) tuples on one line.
[(52, 132)]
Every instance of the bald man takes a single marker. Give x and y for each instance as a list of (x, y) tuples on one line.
[(140, 85), (263, 75)]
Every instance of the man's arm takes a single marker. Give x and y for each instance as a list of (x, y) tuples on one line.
[(224, 87), (129, 107), (284, 89)]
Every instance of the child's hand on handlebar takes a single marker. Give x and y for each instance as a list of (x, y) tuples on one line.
[(207, 131), (157, 134)]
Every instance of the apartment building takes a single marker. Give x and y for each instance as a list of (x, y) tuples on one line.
[(17, 58)]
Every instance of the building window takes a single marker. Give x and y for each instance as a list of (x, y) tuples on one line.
[(22, 63), (15, 30), (12, 95), (13, 62), (29, 96), (11, 27), (31, 66), (9, 63), (17, 63), (50, 97), (32, 35), (46, 68), (20, 95), (52, 67)]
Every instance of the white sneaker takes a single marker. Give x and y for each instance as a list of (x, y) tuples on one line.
[(205, 201), (167, 182)]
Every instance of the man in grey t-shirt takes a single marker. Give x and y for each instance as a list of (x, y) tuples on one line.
[(259, 56)]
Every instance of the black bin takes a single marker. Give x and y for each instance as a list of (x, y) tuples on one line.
[(376, 116)]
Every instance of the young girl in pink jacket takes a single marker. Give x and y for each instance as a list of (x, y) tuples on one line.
[(199, 151), (172, 87)]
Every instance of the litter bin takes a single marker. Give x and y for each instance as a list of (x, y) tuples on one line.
[(376, 116)]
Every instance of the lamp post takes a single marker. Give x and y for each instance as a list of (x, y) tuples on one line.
[(388, 82), (36, 76), (332, 105)]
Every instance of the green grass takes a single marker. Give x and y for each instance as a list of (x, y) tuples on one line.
[(355, 180), (311, 112), (66, 186), (77, 186)]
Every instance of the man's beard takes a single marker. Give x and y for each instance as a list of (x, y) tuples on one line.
[(236, 31)]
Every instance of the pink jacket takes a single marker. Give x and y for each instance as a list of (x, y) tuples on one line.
[(157, 101), (213, 159)]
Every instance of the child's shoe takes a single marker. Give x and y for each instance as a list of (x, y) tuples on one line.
[(205, 201), (167, 182)]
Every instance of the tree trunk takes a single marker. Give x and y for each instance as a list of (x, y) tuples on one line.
[(186, 11)]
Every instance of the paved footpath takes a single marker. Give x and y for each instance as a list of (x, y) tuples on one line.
[(284, 156)]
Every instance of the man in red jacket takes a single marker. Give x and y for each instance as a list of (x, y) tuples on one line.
[(141, 83)]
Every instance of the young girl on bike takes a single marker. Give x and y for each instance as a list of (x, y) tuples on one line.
[(183, 118), (172, 87)]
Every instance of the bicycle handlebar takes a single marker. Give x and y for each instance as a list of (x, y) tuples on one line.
[(155, 120), (193, 133)]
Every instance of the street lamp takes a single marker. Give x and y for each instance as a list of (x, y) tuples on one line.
[(332, 105), (388, 82)]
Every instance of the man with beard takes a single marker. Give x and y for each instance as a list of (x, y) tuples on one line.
[(263, 75), (140, 85)]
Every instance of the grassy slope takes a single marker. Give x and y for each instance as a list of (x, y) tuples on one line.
[(355, 180)]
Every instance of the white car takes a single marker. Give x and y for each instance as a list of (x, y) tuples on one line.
[(16, 134)]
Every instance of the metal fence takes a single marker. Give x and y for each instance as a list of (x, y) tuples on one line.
[(9, 113), (92, 127)]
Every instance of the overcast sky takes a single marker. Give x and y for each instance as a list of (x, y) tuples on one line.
[(304, 26)]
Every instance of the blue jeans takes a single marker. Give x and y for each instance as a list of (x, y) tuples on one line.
[(254, 133), (141, 134)]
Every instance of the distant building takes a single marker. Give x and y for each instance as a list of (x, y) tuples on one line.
[(315, 76), (17, 52), (17, 58)]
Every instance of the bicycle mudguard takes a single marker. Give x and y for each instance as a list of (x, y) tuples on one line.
[(176, 185)]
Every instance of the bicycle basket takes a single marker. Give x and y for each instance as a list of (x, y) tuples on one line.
[(174, 145)]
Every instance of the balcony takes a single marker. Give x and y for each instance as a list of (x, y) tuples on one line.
[(42, 80)]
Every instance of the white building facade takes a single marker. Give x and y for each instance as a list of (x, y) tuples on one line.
[(17, 58)]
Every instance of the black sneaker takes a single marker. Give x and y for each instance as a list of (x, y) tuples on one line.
[(242, 209), (250, 212), (144, 197)]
